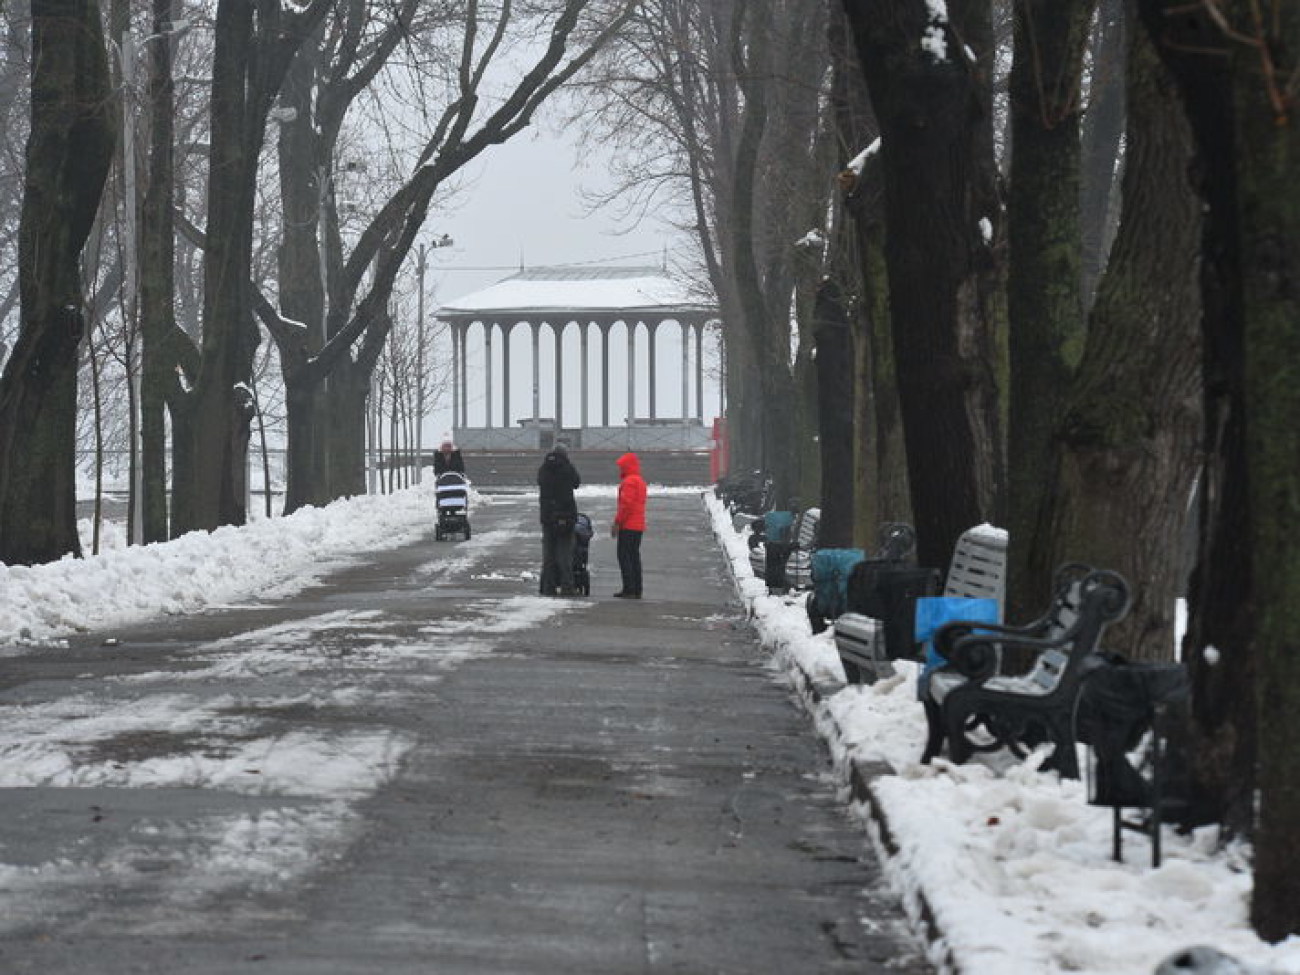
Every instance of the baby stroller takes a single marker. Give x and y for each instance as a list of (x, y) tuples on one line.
[(581, 547), (451, 491)]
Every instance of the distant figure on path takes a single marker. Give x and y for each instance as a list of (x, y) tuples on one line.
[(448, 459), (557, 479), (629, 524)]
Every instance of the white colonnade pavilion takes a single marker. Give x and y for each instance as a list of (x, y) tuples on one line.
[(593, 300)]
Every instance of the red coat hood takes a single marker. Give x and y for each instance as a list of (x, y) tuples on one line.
[(629, 463)]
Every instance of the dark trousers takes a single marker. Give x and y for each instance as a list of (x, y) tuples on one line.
[(629, 560), (557, 559)]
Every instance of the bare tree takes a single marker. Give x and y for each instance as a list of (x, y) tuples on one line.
[(929, 83), (361, 285), (68, 155), (255, 43)]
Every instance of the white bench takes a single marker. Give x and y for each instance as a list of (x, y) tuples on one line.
[(978, 569)]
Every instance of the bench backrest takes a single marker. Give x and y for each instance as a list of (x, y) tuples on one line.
[(805, 529), (1083, 609), (979, 565)]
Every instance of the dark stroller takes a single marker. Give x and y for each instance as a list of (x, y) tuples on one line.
[(451, 491), (581, 548)]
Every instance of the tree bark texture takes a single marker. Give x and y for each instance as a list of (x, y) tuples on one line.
[(933, 110), (1044, 302), (835, 375), (1219, 643), (1268, 154), (69, 151), (1128, 444)]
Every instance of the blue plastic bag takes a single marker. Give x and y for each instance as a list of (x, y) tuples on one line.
[(933, 613)]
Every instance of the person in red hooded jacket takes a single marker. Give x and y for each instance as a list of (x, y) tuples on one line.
[(629, 524)]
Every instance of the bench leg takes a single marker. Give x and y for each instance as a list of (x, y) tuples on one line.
[(934, 731)]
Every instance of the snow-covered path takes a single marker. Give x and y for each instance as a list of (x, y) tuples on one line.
[(370, 773)]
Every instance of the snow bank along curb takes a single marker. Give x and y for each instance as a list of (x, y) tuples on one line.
[(856, 774)]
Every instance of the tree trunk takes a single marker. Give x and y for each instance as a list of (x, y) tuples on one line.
[(835, 375), (304, 189), (165, 348), (1044, 304), (69, 152), (346, 436), (934, 113), (1221, 616), (255, 44), (1268, 154), (1128, 442)]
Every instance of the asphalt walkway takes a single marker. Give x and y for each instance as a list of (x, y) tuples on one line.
[(480, 781)]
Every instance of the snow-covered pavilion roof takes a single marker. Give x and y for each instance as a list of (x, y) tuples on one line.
[(598, 291)]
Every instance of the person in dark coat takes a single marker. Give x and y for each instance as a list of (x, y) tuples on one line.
[(557, 479), (448, 459)]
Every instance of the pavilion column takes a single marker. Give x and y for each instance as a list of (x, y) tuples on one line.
[(652, 330), (505, 373), (722, 372), (631, 372), (487, 357), (537, 370), (558, 332), (604, 372), (455, 378), (583, 330), (699, 371), (464, 376), (685, 329)]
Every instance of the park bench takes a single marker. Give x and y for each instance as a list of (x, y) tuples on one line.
[(832, 567), (878, 627), (1134, 718), (782, 558), (746, 496), (972, 707)]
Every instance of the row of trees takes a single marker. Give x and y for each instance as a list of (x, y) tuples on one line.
[(211, 250), (1051, 287)]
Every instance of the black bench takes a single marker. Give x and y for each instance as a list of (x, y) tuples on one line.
[(1135, 719), (971, 707)]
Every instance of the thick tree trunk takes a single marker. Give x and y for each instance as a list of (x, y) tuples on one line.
[(1221, 616), (304, 190), (69, 152), (346, 436), (224, 409), (933, 109), (1268, 141), (254, 47), (1129, 444), (1044, 304)]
